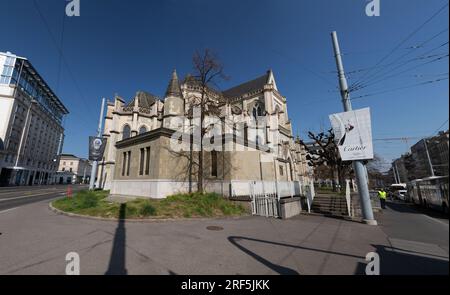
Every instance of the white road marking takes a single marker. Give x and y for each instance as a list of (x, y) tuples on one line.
[(436, 220), (8, 210), (29, 196)]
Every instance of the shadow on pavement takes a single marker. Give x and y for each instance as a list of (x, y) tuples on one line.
[(395, 261), (278, 268), (412, 208), (117, 260)]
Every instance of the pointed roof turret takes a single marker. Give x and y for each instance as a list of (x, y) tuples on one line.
[(174, 86)]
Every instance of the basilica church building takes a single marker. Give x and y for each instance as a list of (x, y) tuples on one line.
[(139, 159)]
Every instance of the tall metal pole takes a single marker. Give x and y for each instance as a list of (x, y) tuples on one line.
[(394, 170), (398, 173), (99, 134), (358, 166), (428, 157)]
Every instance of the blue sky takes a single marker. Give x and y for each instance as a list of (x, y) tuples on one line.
[(119, 46)]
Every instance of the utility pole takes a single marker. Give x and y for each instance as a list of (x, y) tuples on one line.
[(428, 157), (397, 173), (99, 134), (358, 166)]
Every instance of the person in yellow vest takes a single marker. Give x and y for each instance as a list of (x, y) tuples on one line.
[(382, 195)]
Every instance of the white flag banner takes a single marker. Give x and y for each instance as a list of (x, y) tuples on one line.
[(353, 131)]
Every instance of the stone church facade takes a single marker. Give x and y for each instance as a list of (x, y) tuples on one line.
[(140, 160)]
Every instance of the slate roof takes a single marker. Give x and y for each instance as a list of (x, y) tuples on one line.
[(146, 100), (247, 87)]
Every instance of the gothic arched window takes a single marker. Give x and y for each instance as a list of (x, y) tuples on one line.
[(126, 132), (257, 111), (142, 130)]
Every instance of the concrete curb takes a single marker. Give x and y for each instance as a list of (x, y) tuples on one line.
[(146, 220)]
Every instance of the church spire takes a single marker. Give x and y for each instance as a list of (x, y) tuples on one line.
[(174, 86)]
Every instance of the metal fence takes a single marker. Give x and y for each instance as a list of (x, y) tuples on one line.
[(265, 195), (267, 205)]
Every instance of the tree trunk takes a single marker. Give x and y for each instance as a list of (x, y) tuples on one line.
[(191, 154), (200, 155), (336, 178)]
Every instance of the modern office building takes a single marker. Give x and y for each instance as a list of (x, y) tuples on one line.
[(73, 169), (31, 131)]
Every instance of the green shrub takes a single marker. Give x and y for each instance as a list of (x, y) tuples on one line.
[(147, 209), (175, 206), (86, 200)]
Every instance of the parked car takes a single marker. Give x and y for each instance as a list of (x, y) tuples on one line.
[(398, 191)]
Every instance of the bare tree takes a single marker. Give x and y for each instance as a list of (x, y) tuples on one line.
[(376, 171), (375, 165), (207, 71), (324, 152)]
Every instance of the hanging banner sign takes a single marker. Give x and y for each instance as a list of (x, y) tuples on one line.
[(96, 148), (353, 132)]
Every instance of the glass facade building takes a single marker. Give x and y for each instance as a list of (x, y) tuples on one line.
[(31, 131), (18, 71)]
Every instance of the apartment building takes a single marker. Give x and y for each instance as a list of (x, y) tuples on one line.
[(73, 170)]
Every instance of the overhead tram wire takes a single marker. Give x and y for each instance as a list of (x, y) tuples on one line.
[(61, 45), (303, 67), (399, 88), (423, 55), (52, 37), (420, 57), (413, 49), (263, 38), (404, 41), (439, 129), (381, 79)]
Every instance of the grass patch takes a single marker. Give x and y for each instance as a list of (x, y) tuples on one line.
[(94, 203)]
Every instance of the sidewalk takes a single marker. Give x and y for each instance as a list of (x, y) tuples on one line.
[(36, 240)]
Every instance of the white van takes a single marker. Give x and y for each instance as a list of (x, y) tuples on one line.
[(399, 191)]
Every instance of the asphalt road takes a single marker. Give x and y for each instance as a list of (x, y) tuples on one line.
[(419, 239), (13, 197), (35, 240)]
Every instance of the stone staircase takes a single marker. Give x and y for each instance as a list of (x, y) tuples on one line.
[(330, 204)]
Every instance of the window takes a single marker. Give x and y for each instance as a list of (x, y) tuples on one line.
[(214, 163), (8, 67), (124, 163), (245, 135), (128, 163), (142, 130), (126, 132), (64, 169), (70, 170), (147, 161), (257, 111), (258, 141), (141, 162), (281, 170)]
